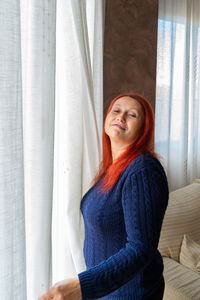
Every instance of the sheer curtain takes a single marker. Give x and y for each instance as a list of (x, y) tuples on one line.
[(78, 125), (50, 124), (12, 217), (178, 90)]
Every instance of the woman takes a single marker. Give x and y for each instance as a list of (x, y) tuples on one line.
[(123, 212)]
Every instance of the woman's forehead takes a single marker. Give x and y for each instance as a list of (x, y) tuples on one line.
[(128, 101)]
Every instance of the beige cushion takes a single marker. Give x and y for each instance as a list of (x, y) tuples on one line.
[(190, 254), (182, 217), (197, 180), (181, 283)]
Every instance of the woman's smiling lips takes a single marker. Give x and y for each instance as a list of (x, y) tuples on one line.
[(119, 126)]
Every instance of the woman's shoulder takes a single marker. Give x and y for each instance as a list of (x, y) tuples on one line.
[(144, 161), (146, 167)]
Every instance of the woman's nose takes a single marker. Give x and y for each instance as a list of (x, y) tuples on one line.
[(121, 117)]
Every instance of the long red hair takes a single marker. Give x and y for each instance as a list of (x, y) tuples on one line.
[(143, 144)]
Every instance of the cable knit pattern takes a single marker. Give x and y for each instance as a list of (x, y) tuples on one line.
[(122, 230)]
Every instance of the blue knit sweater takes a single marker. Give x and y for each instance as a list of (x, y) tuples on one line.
[(122, 230)]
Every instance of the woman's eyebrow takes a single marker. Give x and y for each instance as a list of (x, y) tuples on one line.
[(134, 108)]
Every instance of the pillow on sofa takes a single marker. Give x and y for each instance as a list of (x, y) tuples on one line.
[(190, 254), (182, 217)]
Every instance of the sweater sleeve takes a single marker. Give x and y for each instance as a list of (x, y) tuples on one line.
[(144, 201)]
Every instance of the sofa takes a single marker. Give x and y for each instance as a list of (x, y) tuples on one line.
[(179, 244)]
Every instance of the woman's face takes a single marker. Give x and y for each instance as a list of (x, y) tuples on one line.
[(124, 122)]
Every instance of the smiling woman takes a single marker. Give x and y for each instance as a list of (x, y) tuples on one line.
[(123, 124), (123, 212)]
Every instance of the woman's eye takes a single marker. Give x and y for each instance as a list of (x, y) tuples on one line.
[(132, 115), (115, 110)]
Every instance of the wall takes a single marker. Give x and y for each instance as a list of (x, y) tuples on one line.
[(130, 44)]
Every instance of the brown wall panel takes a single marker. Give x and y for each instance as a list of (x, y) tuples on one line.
[(130, 48)]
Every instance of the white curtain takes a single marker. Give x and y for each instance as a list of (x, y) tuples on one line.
[(50, 124), (12, 217), (78, 111), (178, 90)]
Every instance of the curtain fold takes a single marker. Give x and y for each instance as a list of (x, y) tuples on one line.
[(38, 24), (51, 118), (177, 137)]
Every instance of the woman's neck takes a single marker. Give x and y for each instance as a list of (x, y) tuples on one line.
[(117, 150)]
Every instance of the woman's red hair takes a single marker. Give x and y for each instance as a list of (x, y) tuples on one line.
[(143, 144)]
